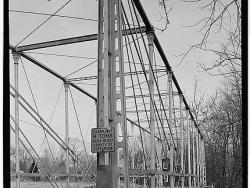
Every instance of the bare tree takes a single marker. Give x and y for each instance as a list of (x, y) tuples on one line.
[(221, 34), (165, 16), (220, 120), (48, 159), (222, 130), (76, 146), (25, 159)]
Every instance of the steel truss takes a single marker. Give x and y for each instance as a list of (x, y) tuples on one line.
[(186, 150)]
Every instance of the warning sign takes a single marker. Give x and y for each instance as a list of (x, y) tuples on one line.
[(102, 140)]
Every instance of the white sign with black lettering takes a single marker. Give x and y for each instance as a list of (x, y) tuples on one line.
[(102, 140)]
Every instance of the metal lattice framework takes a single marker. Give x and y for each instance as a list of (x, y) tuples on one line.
[(157, 141)]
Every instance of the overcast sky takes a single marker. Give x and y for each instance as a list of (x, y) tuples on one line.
[(175, 40)]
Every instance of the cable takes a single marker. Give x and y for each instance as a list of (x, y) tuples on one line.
[(157, 80), (61, 55), (85, 66), (78, 122), (132, 37), (174, 115), (136, 75), (141, 92), (30, 124), (31, 147), (33, 125), (136, 108), (137, 81), (89, 122), (50, 131), (53, 112), (145, 81), (26, 76), (55, 15), (151, 68), (43, 22), (141, 64)]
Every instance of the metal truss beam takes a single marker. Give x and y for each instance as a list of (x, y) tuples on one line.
[(39, 64), (48, 175), (141, 172), (72, 40), (138, 172), (150, 28), (94, 77), (142, 111)]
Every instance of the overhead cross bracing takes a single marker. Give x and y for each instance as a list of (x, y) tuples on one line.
[(157, 141)]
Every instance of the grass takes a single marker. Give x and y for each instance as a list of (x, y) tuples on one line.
[(31, 184)]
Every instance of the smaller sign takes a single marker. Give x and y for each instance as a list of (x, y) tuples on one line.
[(102, 140), (166, 164)]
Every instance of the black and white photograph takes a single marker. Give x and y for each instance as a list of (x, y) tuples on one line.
[(124, 94)]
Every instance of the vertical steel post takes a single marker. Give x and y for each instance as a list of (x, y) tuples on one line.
[(202, 165), (189, 162), (111, 107), (121, 94), (133, 154), (204, 168), (16, 58), (198, 158), (151, 90), (182, 140), (159, 149), (102, 158), (170, 125), (194, 151), (133, 177), (201, 161), (144, 164), (105, 60), (66, 86)]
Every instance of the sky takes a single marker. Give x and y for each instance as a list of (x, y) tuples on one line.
[(175, 40)]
